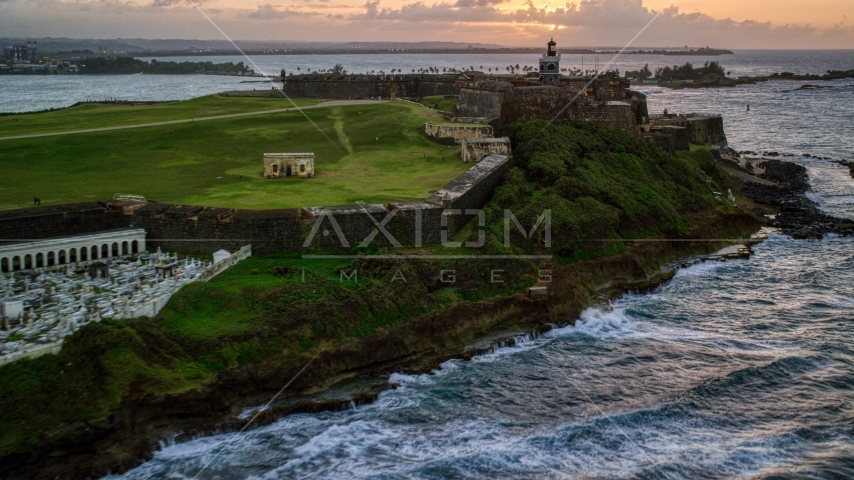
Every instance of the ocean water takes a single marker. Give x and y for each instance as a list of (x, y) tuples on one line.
[(34, 93)]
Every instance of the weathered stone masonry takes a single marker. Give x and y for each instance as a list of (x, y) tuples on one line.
[(454, 134), (604, 102), (372, 86)]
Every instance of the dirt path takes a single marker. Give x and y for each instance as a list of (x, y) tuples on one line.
[(333, 103)]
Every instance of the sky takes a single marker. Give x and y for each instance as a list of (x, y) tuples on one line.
[(735, 24)]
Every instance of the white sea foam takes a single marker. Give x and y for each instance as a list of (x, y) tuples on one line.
[(403, 379), (604, 323)]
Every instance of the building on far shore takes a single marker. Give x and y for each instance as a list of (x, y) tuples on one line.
[(280, 165), (22, 53)]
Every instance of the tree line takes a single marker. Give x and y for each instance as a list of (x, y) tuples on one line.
[(128, 65), (709, 72)]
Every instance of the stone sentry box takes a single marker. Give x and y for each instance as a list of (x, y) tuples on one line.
[(281, 165)]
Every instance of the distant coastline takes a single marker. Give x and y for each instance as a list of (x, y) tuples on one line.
[(433, 51), (734, 82)]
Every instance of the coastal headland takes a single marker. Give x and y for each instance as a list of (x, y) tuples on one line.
[(624, 214)]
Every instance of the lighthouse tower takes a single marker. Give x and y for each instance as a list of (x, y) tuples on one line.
[(550, 65)]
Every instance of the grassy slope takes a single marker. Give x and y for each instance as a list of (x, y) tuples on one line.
[(442, 103), (368, 158), (599, 183), (97, 115)]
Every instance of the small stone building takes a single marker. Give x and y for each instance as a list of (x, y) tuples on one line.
[(280, 165), (476, 149)]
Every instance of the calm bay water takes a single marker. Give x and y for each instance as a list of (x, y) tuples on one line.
[(743, 369)]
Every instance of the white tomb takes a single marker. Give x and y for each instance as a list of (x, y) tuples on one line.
[(220, 255)]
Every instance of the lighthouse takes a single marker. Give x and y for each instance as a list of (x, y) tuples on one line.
[(550, 65)]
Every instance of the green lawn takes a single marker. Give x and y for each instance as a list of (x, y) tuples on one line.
[(369, 153), (97, 115), (442, 103)]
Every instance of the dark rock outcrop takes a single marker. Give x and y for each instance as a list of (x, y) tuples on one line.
[(799, 216)]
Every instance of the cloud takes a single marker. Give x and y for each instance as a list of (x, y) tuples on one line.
[(606, 22), (477, 3), (277, 12), (573, 22), (174, 3)]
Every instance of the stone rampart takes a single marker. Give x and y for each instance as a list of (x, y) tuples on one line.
[(707, 130), (454, 134), (190, 228), (472, 189), (474, 150), (372, 86), (483, 120), (507, 104), (483, 100), (59, 220), (701, 128), (669, 138)]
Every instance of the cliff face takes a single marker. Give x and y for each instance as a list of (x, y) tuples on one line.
[(132, 431)]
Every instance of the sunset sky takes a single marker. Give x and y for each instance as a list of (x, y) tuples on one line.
[(720, 23)]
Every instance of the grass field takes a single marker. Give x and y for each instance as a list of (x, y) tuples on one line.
[(442, 103), (370, 153), (96, 115)]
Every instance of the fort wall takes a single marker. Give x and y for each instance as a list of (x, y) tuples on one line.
[(483, 100), (701, 128), (59, 220), (472, 189), (476, 149), (454, 134), (372, 86), (604, 102)]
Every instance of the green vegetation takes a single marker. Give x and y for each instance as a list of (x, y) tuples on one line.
[(119, 65), (443, 103), (369, 153), (709, 72), (100, 115), (642, 74), (245, 316), (599, 183)]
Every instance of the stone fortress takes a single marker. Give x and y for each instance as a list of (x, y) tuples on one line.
[(500, 99)]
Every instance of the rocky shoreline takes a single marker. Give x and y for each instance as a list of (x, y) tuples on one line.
[(799, 217), (735, 82), (356, 370)]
